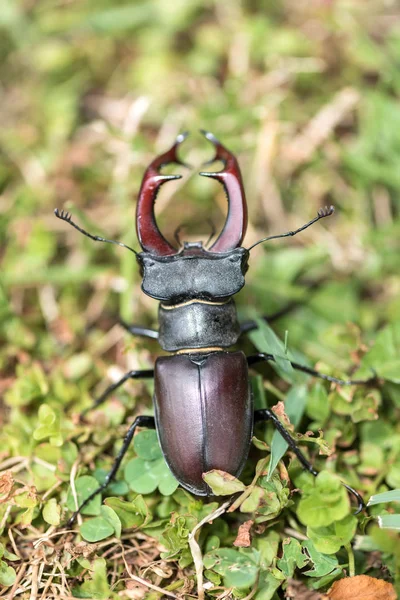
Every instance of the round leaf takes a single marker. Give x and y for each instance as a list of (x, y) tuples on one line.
[(146, 445), (7, 574), (140, 477), (96, 529), (111, 516), (52, 512), (85, 486)]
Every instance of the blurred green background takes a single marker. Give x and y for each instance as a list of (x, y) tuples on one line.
[(306, 93)]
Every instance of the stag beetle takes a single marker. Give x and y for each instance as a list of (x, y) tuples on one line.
[(203, 404)]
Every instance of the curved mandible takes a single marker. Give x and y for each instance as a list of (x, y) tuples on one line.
[(150, 237), (236, 222)]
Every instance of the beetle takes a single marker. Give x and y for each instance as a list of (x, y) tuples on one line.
[(203, 406)]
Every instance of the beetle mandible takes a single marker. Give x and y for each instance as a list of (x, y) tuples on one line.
[(203, 404)]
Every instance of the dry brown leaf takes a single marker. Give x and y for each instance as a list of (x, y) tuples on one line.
[(80, 549), (6, 485), (362, 587), (279, 410), (243, 539)]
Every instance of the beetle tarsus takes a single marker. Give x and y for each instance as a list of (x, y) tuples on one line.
[(141, 421)]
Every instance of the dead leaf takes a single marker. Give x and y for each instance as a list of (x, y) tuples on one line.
[(243, 539), (6, 485), (279, 411), (80, 549), (362, 587)]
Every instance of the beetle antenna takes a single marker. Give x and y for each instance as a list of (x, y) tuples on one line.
[(322, 213), (65, 216)]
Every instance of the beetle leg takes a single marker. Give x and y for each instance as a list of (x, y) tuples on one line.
[(143, 374), (263, 357), (139, 330), (142, 421), (265, 414)]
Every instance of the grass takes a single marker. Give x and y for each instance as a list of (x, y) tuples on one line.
[(306, 95)]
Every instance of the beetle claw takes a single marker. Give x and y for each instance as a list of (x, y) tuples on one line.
[(150, 237), (230, 177)]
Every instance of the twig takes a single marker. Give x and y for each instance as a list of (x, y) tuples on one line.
[(146, 583), (73, 489), (250, 487), (48, 583), (34, 578), (5, 516), (195, 548)]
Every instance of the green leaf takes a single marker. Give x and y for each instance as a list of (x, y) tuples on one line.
[(49, 425), (327, 502), (292, 557), (111, 516), (96, 529), (266, 340), (7, 574), (389, 522), (139, 475), (84, 487), (383, 358), (267, 586), (146, 445), (222, 483), (30, 385), (130, 514), (97, 587), (391, 496), (323, 564), (52, 512), (329, 539), (238, 568), (77, 366), (318, 408), (175, 537), (168, 484), (253, 501), (268, 545)]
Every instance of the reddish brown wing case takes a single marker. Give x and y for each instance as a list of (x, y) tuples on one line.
[(204, 415)]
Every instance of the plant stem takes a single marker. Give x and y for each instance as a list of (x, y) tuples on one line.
[(352, 569)]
